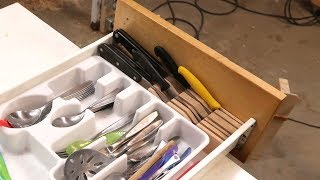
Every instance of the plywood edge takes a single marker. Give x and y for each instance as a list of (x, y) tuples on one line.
[(204, 48)]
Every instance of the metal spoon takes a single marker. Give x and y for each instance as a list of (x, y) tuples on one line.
[(67, 121), (25, 118), (85, 163)]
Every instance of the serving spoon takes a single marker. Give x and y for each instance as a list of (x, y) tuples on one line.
[(25, 118), (67, 121)]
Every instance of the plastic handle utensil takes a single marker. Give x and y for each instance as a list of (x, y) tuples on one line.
[(199, 88), (164, 159), (4, 173), (5, 123), (111, 138)]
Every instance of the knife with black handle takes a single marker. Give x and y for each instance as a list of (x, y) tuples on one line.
[(143, 61), (115, 59), (171, 65), (122, 62), (130, 61), (120, 36), (164, 85)]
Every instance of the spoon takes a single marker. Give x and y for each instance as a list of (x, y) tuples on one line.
[(25, 118), (85, 163), (113, 137), (67, 121)]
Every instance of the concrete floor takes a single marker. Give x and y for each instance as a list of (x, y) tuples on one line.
[(267, 47)]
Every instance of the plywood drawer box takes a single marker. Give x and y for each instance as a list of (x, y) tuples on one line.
[(244, 95)]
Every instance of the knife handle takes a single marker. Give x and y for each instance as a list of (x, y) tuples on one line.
[(111, 56), (142, 60), (130, 61), (199, 88), (171, 65), (120, 36)]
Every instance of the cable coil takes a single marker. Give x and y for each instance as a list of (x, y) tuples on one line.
[(287, 10)]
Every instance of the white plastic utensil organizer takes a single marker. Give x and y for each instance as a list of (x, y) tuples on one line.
[(29, 152)]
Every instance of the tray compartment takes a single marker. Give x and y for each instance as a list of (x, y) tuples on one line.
[(93, 68), (26, 157), (30, 100)]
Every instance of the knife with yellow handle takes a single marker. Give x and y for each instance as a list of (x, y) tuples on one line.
[(199, 88)]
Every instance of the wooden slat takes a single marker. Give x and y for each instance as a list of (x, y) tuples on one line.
[(214, 129), (215, 140), (238, 91), (227, 118), (222, 122), (217, 127)]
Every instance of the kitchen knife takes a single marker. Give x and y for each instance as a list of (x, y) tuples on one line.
[(199, 88), (164, 85), (122, 62), (171, 65), (120, 36)]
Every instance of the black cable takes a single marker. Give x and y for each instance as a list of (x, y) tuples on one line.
[(172, 12), (300, 122), (235, 7), (187, 22), (299, 21), (173, 18), (265, 14)]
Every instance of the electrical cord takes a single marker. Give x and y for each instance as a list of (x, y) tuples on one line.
[(311, 20), (300, 122), (299, 21), (174, 18)]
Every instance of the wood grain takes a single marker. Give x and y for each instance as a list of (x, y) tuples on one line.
[(224, 116), (186, 110), (214, 130), (217, 127), (237, 90), (222, 123), (195, 104), (176, 108), (199, 99)]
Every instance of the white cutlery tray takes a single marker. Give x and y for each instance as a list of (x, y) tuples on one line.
[(30, 152)]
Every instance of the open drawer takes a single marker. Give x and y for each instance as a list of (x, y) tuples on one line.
[(244, 95)]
